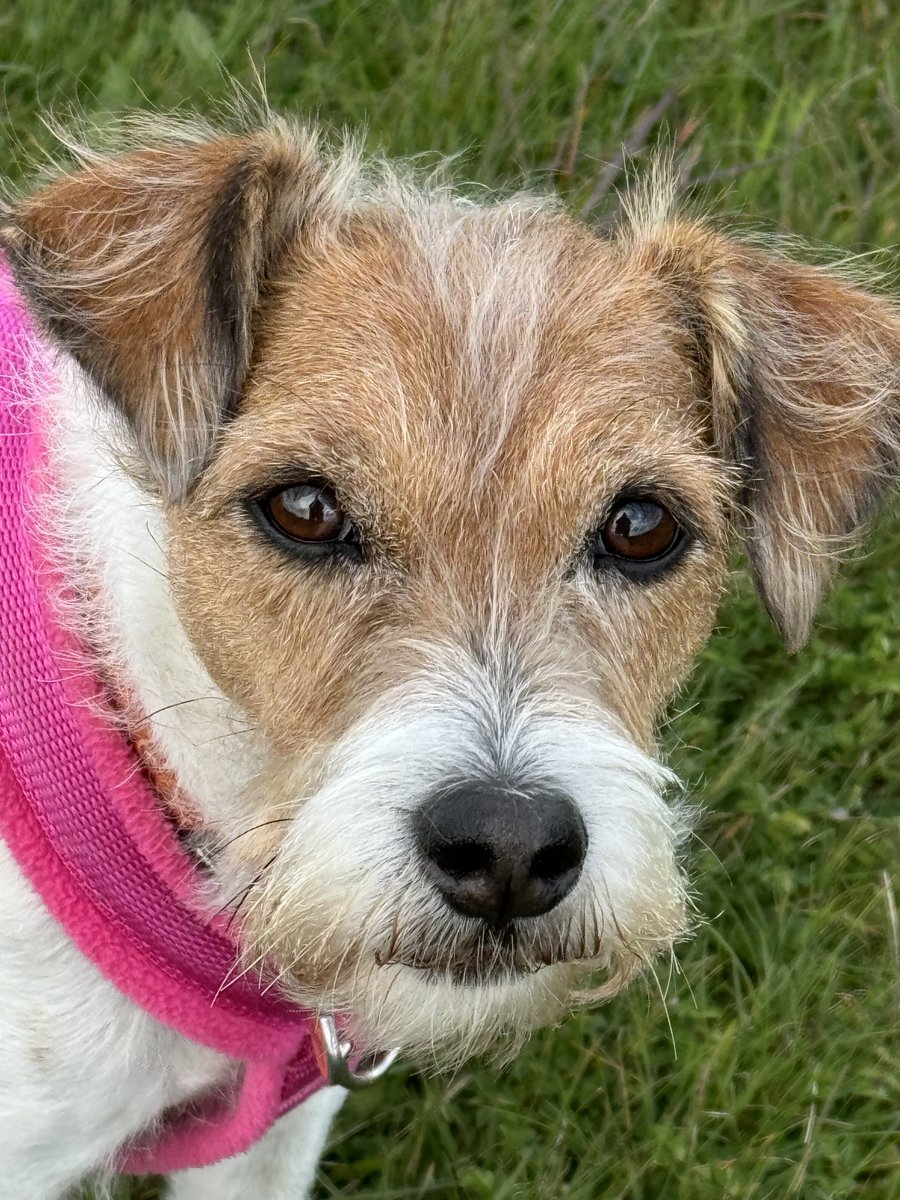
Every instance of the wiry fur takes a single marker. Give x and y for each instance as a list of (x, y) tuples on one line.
[(802, 368), (479, 379), (383, 933)]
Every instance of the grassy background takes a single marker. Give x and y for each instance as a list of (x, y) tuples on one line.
[(781, 1074)]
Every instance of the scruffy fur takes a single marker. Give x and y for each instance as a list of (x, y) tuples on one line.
[(479, 381)]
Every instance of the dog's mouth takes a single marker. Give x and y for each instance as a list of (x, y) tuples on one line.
[(447, 986), (496, 955)]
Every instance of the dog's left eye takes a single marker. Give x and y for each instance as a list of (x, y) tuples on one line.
[(309, 515)]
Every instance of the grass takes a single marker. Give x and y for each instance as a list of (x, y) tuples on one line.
[(772, 1067)]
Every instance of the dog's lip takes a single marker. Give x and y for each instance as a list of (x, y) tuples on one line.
[(470, 974), (500, 960)]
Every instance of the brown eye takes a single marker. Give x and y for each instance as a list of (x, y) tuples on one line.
[(640, 534), (308, 515)]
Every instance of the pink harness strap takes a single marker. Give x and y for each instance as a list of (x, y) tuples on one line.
[(88, 831)]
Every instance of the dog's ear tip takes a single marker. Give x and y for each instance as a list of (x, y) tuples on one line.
[(791, 611), (795, 634), (796, 642), (794, 621)]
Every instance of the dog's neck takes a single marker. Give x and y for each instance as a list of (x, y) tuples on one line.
[(114, 535)]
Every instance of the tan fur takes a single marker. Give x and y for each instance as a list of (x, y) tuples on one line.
[(802, 371), (360, 377)]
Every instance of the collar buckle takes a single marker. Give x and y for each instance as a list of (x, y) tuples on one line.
[(336, 1056)]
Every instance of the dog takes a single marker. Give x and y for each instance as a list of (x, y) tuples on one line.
[(391, 520)]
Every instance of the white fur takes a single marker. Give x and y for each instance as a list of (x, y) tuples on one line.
[(281, 1167), (82, 1068), (115, 538), (348, 853)]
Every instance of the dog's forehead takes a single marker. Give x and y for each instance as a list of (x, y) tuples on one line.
[(490, 345)]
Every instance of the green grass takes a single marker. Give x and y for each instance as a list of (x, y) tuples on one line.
[(772, 1068)]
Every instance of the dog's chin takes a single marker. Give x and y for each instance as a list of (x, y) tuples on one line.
[(440, 1019)]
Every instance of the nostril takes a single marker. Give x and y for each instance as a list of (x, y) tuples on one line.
[(551, 862), (461, 859)]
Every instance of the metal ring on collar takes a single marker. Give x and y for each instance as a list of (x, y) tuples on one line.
[(337, 1052)]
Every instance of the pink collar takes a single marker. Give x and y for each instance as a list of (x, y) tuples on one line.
[(88, 831)]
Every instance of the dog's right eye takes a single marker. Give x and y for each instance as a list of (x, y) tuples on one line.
[(309, 516), (308, 513)]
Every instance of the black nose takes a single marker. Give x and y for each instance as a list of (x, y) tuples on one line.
[(498, 853)]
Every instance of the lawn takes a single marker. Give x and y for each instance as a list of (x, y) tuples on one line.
[(770, 1066)]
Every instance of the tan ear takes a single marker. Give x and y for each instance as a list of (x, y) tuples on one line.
[(148, 266), (802, 373)]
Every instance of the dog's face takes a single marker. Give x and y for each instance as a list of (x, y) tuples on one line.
[(435, 610), (450, 492)]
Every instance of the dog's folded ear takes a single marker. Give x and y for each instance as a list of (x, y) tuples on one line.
[(800, 370), (148, 266)]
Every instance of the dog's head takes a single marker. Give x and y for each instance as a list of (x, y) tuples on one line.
[(449, 491)]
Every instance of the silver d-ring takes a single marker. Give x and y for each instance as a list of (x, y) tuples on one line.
[(337, 1052)]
